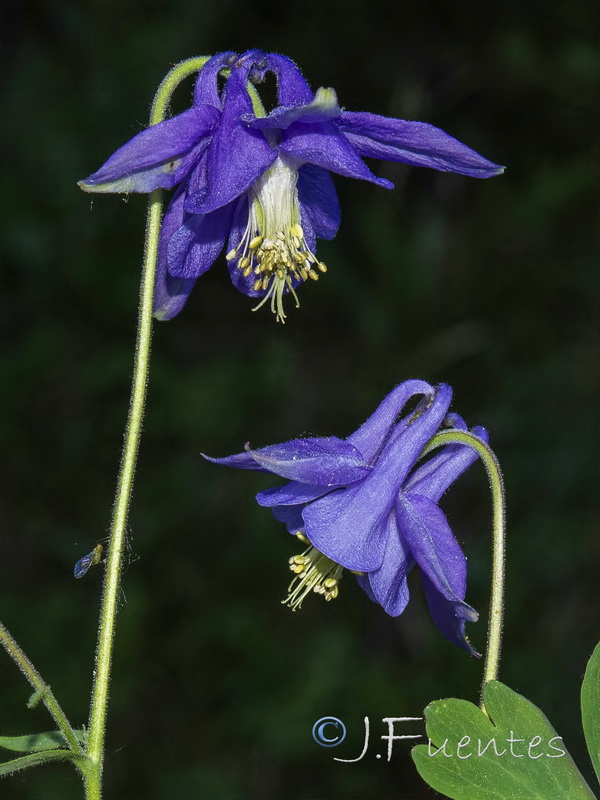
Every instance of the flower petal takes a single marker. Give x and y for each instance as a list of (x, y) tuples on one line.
[(322, 144), (292, 89), (350, 525), (237, 155), (443, 613), (291, 494), (158, 157), (416, 143), (411, 434), (373, 434), (291, 516), (433, 546), (310, 237), (363, 581), (326, 461), (255, 60), (435, 476), (195, 246), (388, 583), (239, 461), (170, 294), (322, 108), (206, 89), (318, 200), (243, 283), (454, 420)]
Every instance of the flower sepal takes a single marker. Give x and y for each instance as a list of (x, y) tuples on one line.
[(323, 108)]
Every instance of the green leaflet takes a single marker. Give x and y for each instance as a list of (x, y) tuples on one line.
[(34, 742), (515, 755), (590, 708), (36, 760), (35, 698)]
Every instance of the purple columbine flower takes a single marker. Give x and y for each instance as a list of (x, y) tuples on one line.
[(262, 181), (365, 504)]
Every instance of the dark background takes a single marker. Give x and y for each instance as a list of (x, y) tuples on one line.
[(488, 285)]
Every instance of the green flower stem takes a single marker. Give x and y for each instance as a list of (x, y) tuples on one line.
[(170, 82), (492, 466), (112, 575), (42, 689)]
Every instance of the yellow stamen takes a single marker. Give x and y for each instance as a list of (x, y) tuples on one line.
[(273, 244), (314, 572)]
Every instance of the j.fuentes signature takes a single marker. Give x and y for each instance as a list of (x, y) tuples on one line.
[(331, 732)]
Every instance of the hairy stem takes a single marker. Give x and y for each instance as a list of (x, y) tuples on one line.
[(42, 689), (108, 612), (492, 466)]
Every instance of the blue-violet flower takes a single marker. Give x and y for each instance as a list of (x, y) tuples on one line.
[(262, 181), (365, 504)]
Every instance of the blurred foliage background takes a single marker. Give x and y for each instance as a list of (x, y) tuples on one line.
[(488, 285)]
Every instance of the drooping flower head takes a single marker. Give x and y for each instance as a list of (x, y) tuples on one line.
[(365, 504), (262, 181)]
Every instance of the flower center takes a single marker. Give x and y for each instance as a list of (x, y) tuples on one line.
[(273, 247), (314, 572)]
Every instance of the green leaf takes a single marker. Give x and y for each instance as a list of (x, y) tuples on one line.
[(36, 697), (515, 755), (590, 708), (35, 760), (35, 742)]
